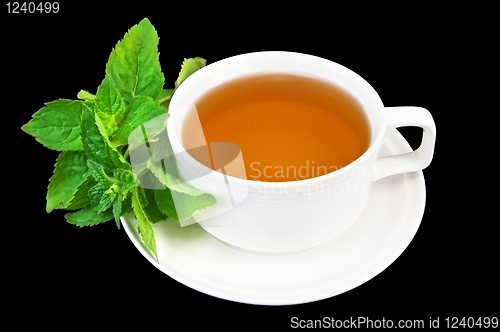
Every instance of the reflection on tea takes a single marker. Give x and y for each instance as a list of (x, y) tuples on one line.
[(288, 127)]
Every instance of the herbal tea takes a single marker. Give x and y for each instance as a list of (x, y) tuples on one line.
[(288, 127)]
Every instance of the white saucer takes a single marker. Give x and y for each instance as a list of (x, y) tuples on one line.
[(392, 216)]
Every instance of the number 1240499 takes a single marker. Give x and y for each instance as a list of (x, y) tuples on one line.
[(32, 7)]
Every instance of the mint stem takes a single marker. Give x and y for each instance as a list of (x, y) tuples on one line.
[(164, 99)]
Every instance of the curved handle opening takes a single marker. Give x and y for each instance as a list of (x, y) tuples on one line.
[(408, 116)]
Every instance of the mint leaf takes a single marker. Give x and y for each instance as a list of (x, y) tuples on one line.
[(117, 211), (85, 95), (89, 216), (125, 178), (69, 173), (110, 191), (133, 63), (189, 66), (109, 105), (81, 197), (140, 110), (152, 209), (144, 222), (97, 146), (98, 173), (91, 174), (57, 125), (108, 99), (124, 208), (104, 198), (165, 203)]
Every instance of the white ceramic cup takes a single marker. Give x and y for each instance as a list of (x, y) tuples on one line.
[(291, 216)]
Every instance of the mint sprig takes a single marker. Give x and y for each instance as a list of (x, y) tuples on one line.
[(93, 174)]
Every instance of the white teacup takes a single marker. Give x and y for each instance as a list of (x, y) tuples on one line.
[(292, 216)]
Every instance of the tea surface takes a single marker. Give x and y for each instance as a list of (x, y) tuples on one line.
[(288, 127)]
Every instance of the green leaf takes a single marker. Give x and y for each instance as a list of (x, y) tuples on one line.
[(110, 191), (108, 99), (81, 198), (109, 105), (91, 174), (165, 203), (134, 65), (189, 66), (98, 173), (94, 144), (96, 193), (126, 180), (121, 208), (57, 125), (127, 205), (70, 173), (107, 199), (144, 222), (152, 209), (85, 95), (117, 211), (140, 110), (97, 146), (116, 157), (89, 216)]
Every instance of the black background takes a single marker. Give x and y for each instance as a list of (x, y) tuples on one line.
[(413, 56)]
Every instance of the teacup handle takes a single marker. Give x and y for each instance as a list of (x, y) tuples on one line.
[(415, 160)]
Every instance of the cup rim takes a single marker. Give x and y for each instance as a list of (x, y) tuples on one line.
[(335, 176)]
